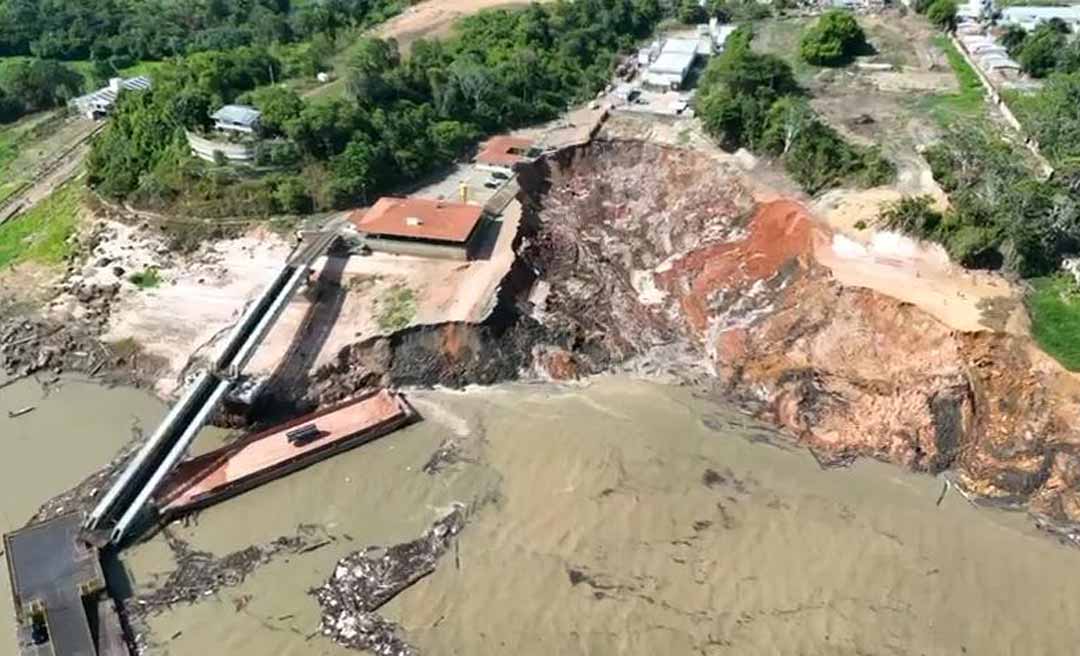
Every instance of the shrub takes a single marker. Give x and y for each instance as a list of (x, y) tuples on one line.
[(913, 215), (834, 40), (942, 13)]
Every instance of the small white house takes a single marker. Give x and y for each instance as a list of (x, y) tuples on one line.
[(99, 103), (237, 118)]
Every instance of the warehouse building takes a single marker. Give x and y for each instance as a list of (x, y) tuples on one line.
[(672, 66), (419, 226)]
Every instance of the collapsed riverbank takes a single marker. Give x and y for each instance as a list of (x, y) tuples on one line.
[(661, 260), (672, 262)]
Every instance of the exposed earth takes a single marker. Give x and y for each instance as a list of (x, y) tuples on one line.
[(636, 259)]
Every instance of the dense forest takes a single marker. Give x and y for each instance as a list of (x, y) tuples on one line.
[(748, 99), (402, 119), (156, 29), (39, 39)]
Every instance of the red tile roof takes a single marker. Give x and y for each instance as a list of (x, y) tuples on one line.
[(504, 151), (419, 218)]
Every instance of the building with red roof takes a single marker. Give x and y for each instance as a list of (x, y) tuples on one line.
[(419, 226), (502, 153)]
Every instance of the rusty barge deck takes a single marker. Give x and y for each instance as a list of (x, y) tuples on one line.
[(262, 457)]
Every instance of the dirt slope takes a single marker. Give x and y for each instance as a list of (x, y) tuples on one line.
[(644, 245)]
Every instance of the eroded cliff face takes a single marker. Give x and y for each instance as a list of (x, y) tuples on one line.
[(642, 246)]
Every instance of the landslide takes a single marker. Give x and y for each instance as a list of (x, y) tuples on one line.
[(643, 246)]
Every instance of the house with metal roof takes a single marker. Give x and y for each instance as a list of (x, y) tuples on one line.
[(98, 104), (670, 69), (998, 62), (1030, 17), (237, 118)]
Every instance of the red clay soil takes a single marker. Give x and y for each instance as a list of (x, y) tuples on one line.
[(780, 230), (848, 370)]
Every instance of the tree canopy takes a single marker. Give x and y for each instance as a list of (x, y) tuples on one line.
[(835, 39), (748, 99), (401, 119), (942, 13)]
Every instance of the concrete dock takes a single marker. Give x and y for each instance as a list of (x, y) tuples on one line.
[(59, 592), (262, 457)]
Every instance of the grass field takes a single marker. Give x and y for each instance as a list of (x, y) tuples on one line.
[(969, 101), (1054, 305), (780, 37), (41, 234)]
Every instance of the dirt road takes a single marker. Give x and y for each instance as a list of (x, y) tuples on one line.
[(55, 169)]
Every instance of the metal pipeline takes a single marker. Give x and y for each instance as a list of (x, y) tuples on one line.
[(183, 407)]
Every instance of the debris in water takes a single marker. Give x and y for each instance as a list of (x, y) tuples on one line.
[(448, 453), (365, 580), (200, 574), (20, 412)]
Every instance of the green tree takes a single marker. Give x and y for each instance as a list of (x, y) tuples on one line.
[(942, 13), (1043, 47), (1012, 38), (368, 79), (452, 138), (279, 106), (355, 172), (691, 12), (833, 40), (291, 196), (788, 119)]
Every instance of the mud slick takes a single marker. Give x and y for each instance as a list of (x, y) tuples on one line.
[(365, 580)]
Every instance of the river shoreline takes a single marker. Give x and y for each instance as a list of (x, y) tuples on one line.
[(765, 339)]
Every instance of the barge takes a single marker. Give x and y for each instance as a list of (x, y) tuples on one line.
[(262, 457)]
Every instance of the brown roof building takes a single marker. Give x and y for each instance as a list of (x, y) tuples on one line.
[(503, 152), (419, 226)]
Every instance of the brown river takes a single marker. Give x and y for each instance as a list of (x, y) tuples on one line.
[(622, 517)]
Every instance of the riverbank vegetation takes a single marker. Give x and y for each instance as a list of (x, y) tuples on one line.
[(747, 99), (402, 120)]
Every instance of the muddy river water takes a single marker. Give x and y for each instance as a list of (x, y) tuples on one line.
[(623, 517)]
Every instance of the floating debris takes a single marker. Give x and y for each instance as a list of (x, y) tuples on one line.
[(365, 580), (20, 412), (200, 574), (447, 455)]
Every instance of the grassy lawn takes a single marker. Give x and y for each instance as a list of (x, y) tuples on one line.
[(780, 37), (968, 102), (1054, 305), (40, 235)]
